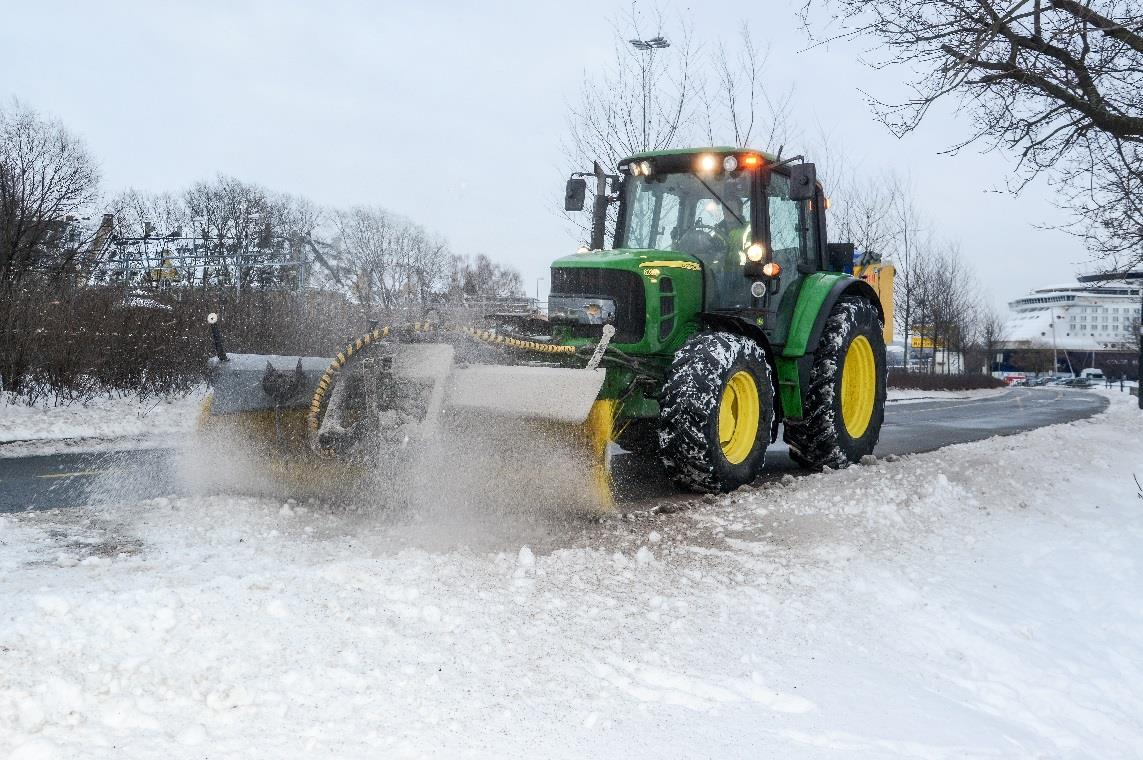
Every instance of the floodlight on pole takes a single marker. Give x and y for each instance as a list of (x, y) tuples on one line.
[(648, 46), (655, 43)]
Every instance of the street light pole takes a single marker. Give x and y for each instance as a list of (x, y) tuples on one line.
[(649, 47)]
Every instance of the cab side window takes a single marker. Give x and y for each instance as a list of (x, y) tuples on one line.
[(787, 232)]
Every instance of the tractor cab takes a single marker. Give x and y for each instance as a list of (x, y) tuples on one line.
[(749, 221)]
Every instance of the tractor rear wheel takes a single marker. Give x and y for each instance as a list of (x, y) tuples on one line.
[(715, 413), (845, 403)]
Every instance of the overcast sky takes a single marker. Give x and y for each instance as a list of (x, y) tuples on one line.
[(455, 114)]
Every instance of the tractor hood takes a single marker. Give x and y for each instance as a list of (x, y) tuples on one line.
[(648, 295), (631, 259)]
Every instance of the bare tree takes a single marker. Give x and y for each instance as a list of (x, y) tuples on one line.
[(908, 229), (480, 278), (943, 316), (738, 104), (990, 334), (47, 179), (386, 262), (640, 101), (656, 93), (1059, 83)]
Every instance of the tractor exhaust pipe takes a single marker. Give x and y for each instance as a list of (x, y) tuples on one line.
[(599, 206)]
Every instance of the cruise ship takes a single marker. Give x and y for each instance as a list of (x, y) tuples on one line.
[(1096, 317)]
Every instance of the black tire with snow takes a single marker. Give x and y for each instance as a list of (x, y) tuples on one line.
[(688, 419), (820, 438)]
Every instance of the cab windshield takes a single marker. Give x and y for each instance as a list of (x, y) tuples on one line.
[(705, 216)]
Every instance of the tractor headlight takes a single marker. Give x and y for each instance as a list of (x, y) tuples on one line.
[(756, 252), (707, 163), (730, 163), (645, 168)]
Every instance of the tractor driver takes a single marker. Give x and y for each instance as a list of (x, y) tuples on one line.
[(735, 225)]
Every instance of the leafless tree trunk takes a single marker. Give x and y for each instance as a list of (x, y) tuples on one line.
[(991, 333)]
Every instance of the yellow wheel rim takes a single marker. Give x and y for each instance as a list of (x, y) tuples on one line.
[(858, 386), (738, 413)]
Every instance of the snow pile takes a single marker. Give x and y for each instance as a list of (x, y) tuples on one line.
[(99, 424), (978, 601)]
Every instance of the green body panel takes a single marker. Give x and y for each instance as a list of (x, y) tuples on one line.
[(789, 387), (812, 294), (651, 266)]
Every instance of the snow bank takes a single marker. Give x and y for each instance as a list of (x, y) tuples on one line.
[(978, 601), (912, 395), (99, 424)]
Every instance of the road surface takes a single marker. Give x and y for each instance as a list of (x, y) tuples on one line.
[(63, 480)]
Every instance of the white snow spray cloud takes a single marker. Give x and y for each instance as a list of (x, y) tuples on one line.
[(484, 482)]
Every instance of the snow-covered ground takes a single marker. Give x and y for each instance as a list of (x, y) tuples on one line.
[(978, 601), (98, 425)]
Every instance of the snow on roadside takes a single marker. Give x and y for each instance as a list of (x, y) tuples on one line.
[(99, 424), (912, 395), (977, 601)]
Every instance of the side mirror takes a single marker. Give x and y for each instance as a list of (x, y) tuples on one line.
[(574, 194), (803, 179)]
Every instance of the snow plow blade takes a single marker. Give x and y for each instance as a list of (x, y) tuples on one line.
[(542, 393), (402, 415)]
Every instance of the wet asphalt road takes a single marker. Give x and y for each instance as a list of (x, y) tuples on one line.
[(66, 480)]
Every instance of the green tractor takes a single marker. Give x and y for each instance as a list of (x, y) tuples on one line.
[(718, 315), (732, 315)]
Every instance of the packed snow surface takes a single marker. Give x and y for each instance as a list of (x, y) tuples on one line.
[(979, 601), (100, 424)]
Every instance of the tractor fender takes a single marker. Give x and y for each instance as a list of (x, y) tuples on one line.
[(846, 287), (740, 326), (816, 298)]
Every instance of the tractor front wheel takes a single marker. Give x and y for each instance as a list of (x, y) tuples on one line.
[(715, 413), (845, 403)]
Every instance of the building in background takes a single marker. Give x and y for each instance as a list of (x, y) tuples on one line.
[(1071, 327)]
